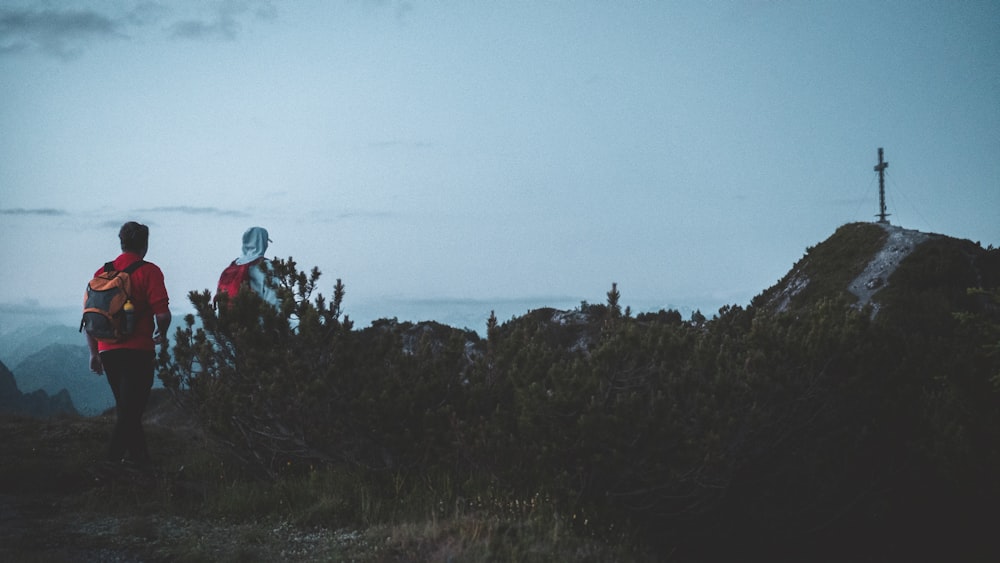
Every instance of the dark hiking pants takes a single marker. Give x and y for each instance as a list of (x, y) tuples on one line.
[(130, 374)]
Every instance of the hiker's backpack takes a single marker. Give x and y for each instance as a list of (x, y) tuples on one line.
[(233, 278), (108, 311)]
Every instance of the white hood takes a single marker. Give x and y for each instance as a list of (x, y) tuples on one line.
[(254, 245)]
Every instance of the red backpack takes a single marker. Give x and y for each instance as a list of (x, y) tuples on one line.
[(233, 278)]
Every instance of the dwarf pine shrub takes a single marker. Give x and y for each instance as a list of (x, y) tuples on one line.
[(753, 425)]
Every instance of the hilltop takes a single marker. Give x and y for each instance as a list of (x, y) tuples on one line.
[(859, 263)]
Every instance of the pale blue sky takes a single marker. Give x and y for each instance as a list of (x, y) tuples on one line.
[(446, 156)]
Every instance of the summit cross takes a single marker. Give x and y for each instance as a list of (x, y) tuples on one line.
[(880, 168)]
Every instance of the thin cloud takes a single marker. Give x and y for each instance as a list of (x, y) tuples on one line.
[(116, 224), (400, 8), (47, 212), (58, 33), (223, 28), (146, 13), (226, 22), (189, 210), (66, 33)]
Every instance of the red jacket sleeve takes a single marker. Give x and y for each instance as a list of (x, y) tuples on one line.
[(156, 290)]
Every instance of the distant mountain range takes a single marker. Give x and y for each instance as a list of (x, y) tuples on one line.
[(53, 360), (17, 345), (58, 367)]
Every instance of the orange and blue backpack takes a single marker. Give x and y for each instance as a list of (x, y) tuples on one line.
[(108, 311)]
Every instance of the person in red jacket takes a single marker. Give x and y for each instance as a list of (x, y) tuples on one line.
[(129, 364)]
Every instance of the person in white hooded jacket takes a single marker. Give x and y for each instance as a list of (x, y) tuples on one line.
[(255, 241)]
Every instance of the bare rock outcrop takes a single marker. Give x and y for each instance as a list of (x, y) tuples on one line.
[(899, 244)]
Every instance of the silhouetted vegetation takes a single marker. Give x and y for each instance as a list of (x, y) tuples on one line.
[(823, 431)]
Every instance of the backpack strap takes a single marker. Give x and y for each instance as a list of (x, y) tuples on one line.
[(134, 266), (110, 266)]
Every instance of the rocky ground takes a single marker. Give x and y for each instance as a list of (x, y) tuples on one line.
[(900, 243), (45, 527)]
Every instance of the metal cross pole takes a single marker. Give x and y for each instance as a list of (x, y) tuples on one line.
[(880, 168)]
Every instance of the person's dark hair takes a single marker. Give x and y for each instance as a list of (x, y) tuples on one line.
[(134, 237)]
